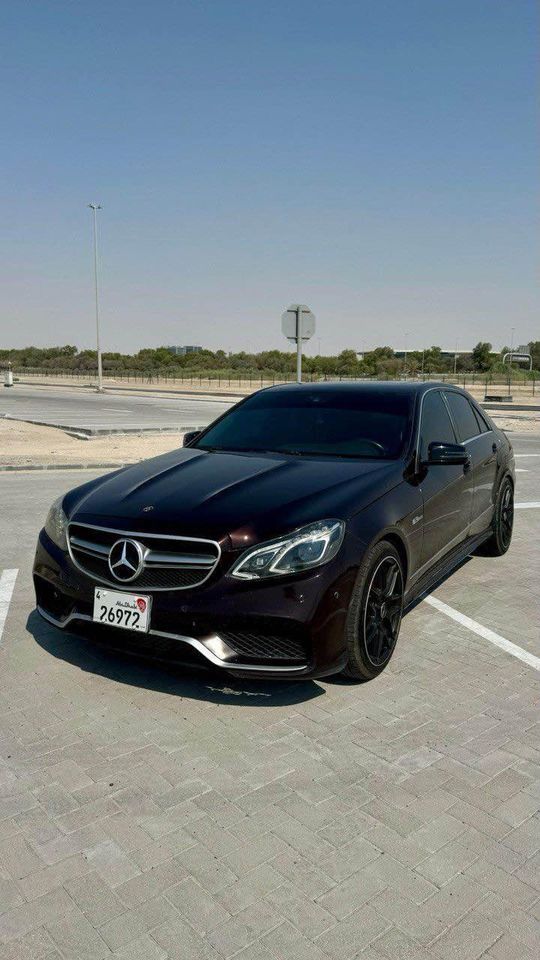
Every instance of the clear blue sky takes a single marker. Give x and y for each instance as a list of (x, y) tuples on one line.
[(376, 159)]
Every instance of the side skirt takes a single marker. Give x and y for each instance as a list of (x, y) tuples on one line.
[(442, 570)]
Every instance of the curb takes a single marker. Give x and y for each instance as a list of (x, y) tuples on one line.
[(141, 391), (16, 468), (506, 407), (84, 433)]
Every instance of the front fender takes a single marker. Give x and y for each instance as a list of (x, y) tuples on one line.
[(398, 516)]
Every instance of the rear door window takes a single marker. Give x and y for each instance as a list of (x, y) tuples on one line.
[(463, 416), (483, 425), (435, 424)]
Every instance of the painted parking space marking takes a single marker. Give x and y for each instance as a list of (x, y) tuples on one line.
[(516, 455), (530, 505), (485, 633), (7, 584)]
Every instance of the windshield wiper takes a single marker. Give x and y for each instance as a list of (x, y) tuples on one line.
[(235, 450), (331, 453), (294, 453)]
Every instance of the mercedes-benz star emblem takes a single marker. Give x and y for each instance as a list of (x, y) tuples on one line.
[(126, 560)]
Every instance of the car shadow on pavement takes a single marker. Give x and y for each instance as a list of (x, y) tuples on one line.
[(193, 681)]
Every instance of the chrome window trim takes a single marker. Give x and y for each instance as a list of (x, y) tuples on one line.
[(190, 641), (442, 390), (422, 398), (131, 535), (469, 439)]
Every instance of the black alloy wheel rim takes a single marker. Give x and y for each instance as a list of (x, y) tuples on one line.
[(506, 515), (383, 611)]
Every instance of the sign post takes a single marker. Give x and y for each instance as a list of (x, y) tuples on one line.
[(298, 324)]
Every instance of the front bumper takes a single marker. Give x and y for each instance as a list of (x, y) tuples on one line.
[(292, 628)]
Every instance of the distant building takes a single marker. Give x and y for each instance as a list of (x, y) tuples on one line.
[(401, 354), (181, 351)]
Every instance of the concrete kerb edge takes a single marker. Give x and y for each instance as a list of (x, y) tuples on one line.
[(84, 433), (141, 390), (33, 467)]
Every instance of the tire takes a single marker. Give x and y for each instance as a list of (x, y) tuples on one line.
[(375, 613), (502, 523)]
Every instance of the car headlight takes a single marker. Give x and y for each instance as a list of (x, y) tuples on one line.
[(307, 547), (56, 524)]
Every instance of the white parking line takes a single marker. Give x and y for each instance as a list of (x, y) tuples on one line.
[(485, 633), (521, 470), (531, 505), (526, 455), (7, 583)]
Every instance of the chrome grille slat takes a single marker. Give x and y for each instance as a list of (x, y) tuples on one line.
[(177, 560), (165, 569), (86, 547)]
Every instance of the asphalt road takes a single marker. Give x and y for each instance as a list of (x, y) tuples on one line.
[(84, 411), (151, 812)]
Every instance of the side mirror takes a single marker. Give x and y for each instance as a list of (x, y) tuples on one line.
[(190, 437), (447, 454)]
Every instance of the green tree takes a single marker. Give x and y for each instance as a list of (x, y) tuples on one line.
[(481, 356), (534, 349)]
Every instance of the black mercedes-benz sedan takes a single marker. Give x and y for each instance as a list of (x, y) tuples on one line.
[(288, 538)]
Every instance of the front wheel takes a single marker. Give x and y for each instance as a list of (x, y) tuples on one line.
[(375, 613), (502, 524)]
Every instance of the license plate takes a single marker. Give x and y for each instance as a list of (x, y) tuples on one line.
[(129, 611)]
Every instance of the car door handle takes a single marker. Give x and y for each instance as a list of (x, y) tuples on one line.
[(494, 447)]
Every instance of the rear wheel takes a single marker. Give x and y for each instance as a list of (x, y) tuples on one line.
[(375, 613), (502, 524)]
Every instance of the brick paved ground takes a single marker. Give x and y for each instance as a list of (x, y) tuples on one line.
[(148, 815)]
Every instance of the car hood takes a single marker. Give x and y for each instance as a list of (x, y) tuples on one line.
[(246, 497)]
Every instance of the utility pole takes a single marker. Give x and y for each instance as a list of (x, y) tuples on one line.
[(299, 344), (405, 362), (95, 207), (298, 323), (455, 359)]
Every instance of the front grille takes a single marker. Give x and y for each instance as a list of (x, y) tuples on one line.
[(170, 563), (255, 646)]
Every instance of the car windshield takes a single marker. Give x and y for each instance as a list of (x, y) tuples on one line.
[(325, 422)]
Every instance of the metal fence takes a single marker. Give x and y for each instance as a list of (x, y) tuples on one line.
[(524, 383)]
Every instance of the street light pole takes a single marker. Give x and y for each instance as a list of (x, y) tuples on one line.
[(95, 207), (405, 364)]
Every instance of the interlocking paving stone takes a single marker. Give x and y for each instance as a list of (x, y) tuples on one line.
[(252, 886), (352, 893), (508, 948), (25, 917), (17, 858), (395, 945), (94, 898), (143, 949), (36, 945), (248, 925), (196, 906), (308, 917), (467, 940), (75, 936), (358, 930), (151, 813)]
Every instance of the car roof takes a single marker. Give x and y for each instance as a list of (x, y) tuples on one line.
[(402, 387)]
